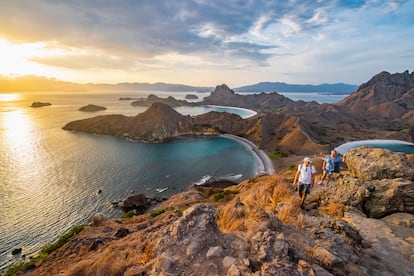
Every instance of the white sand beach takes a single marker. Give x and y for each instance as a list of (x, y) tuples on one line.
[(264, 164)]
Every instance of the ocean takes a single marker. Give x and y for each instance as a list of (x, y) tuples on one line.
[(51, 178)]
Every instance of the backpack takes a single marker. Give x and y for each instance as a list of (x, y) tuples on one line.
[(337, 165)]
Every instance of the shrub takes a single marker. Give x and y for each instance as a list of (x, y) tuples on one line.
[(278, 154), (226, 194), (129, 214), (218, 196), (62, 240), (157, 213)]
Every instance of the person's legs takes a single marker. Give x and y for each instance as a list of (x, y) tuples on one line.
[(301, 190), (329, 178), (304, 191), (324, 174)]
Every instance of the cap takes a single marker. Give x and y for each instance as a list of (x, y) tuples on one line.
[(307, 159)]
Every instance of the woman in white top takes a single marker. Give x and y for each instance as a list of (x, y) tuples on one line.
[(304, 177)]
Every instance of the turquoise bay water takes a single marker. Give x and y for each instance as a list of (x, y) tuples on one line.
[(50, 178)]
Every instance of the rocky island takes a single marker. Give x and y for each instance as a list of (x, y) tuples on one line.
[(92, 108), (40, 104)]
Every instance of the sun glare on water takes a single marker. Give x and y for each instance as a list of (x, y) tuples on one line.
[(8, 97), (18, 131)]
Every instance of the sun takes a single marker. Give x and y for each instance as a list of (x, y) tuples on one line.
[(15, 58)]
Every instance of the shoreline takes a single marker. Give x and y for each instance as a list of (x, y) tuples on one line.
[(251, 111), (264, 164)]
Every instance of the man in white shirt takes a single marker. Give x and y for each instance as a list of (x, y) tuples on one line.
[(304, 177)]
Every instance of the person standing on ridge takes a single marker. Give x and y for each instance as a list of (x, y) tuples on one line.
[(304, 177), (331, 164)]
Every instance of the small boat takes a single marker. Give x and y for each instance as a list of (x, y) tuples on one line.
[(204, 180), (160, 190), (230, 177)]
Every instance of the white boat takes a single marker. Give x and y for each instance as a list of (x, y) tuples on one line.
[(205, 179), (160, 190), (230, 177)]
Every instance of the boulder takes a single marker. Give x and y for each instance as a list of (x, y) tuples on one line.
[(139, 202), (16, 251), (366, 163)]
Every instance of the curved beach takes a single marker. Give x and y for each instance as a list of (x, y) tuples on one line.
[(264, 164)]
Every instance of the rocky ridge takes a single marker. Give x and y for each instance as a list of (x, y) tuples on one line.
[(257, 228), (389, 96)]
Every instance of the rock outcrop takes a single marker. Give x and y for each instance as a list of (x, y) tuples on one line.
[(380, 183), (139, 203)]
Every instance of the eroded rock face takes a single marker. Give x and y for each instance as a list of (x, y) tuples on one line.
[(366, 163)]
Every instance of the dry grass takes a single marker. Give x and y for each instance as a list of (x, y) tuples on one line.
[(290, 212), (232, 217), (257, 201), (282, 192), (333, 209)]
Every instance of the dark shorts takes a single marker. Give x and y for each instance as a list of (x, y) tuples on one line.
[(304, 187)]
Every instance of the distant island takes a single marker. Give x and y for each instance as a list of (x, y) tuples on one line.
[(92, 108), (40, 104), (37, 83), (337, 88)]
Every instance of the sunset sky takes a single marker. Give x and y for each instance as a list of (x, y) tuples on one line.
[(206, 42)]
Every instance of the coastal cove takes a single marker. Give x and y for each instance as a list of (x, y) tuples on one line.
[(54, 179)]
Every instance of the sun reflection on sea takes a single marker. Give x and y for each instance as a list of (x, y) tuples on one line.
[(9, 97), (20, 142)]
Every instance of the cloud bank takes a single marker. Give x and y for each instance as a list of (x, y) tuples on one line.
[(229, 41)]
